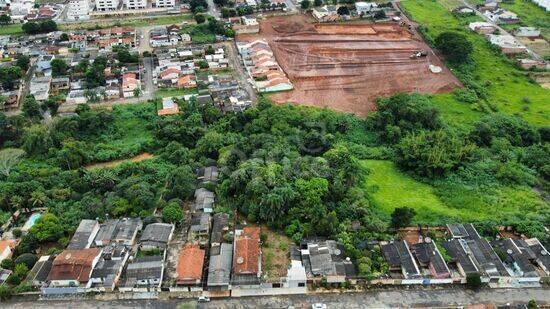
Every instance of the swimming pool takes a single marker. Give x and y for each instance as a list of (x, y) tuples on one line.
[(31, 221)]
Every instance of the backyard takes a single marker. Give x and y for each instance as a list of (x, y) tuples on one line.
[(275, 257), (509, 89)]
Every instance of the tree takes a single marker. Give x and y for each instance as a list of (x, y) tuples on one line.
[(5, 19), (9, 75), (532, 304), (9, 157), (180, 183), (27, 259), (402, 217), (23, 62), (172, 213), (433, 153), (5, 292), (21, 270), (31, 28), (199, 18), (380, 14), (59, 67), (137, 92), (31, 108), (7, 264), (454, 46), (343, 10), (37, 139), (72, 155), (64, 37), (305, 4), (47, 228), (317, 2), (473, 281)]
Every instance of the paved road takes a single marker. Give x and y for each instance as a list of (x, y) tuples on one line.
[(502, 30), (371, 299), (240, 72)]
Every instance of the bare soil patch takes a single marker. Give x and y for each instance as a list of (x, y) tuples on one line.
[(275, 253), (346, 66), (114, 163)]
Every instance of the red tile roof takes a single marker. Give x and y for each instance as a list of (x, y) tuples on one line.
[(74, 265), (190, 263), (247, 252)]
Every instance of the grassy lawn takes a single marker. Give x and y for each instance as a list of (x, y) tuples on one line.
[(11, 29), (510, 90), (173, 92), (391, 188), (200, 34)]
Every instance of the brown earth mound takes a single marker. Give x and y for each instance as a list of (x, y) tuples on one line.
[(347, 66)]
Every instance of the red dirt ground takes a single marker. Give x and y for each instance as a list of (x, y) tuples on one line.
[(347, 66)]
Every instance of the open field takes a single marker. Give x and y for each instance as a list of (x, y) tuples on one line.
[(509, 89), (347, 66), (275, 257), (173, 92), (11, 29), (391, 189)]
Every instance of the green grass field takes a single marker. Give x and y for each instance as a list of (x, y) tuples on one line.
[(510, 90), (391, 188), (11, 29), (129, 22), (447, 201), (173, 92)]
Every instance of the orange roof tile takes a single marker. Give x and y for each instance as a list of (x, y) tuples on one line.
[(247, 252), (190, 263)]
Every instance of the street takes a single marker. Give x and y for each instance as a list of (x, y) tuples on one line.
[(213, 10), (371, 299)]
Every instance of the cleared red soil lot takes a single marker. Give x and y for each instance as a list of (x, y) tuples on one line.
[(345, 67)]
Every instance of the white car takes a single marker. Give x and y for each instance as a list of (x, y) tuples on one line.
[(203, 299), (319, 306)]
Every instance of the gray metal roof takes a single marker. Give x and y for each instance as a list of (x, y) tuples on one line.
[(219, 225), (219, 268), (156, 234), (82, 234), (148, 267), (200, 222), (397, 253)]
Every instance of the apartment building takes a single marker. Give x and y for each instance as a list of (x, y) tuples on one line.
[(106, 5), (164, 3), (78, 10), (135, 4)]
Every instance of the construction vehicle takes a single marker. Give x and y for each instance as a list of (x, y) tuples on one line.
[(419, 54)]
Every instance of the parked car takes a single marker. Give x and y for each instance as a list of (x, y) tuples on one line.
[(203, 299), (319, 306)]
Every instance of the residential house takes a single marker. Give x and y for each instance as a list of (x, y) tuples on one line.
[(427, 254), (122, 231), (507, 44), (130, 84), (84, 235), (327, 13), (156, 236), (296, 277), (247, 257), (143, 274), (398, 256), (518, 258), (189, 268), (38, 275), (542, 256), (208, 174), (204, 201), (326, 259), (501, 16), (219, 268), (108, 269), (473, 254), (220, 226), (527, 32), (6, 249), (40, 88), (488, 6), (169, 107), (187, 81), (482, 27), (60, 84), (72, 268), (528, 64), (200, 227), (365, 8)]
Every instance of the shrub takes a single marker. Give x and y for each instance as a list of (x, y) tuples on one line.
[(28, 259), (454, 46)]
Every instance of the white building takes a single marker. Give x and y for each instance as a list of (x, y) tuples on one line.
[(543, 3), (106, 5), (78, 10), (365, 7), (165, 3), (135, 4)]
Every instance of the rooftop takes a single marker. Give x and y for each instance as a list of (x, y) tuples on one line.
[(190, 264), (247, 252)]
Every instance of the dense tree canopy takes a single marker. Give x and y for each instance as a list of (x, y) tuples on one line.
[(454, 46)]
